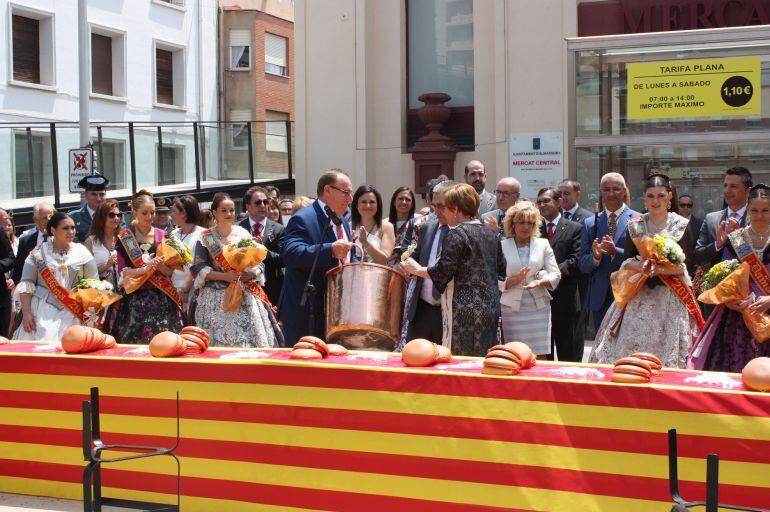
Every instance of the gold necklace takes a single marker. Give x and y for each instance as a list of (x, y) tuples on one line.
[(758, 240)]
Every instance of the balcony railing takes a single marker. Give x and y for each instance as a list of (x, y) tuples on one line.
[(166, 158)]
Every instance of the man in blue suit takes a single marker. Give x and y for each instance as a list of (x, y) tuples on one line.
[(322, 230), (603, 242)]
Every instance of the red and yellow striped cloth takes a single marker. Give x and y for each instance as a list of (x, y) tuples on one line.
[(363, 433)]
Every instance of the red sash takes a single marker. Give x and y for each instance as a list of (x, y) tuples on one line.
[(59, 292), (758, 272), (216, 250), (685, 294), (158, 280)]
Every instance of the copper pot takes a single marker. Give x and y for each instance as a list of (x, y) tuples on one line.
[(364, 306)]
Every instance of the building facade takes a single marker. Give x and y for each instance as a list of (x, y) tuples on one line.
[(538, 87)]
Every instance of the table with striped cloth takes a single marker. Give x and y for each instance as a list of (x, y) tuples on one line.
[(363, 433)]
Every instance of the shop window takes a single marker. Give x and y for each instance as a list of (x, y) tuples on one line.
[(33, 173), (275, 131), (440, 59), (32, 47), (275, 55), (240, 49), (170, 165)]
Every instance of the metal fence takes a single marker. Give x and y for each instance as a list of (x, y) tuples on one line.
[(166, 158)]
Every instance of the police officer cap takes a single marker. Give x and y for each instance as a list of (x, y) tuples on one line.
[(162, 204), (94, 182)]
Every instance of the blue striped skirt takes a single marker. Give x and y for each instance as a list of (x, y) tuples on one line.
[(529, 324)]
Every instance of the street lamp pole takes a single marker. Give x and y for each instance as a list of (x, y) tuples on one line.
[(83, 73)]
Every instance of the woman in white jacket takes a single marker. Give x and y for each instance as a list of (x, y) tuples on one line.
[(531, 271)]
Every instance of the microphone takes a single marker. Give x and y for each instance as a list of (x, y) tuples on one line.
[(333, 216)]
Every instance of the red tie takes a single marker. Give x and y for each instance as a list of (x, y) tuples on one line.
[(257, 232), (341, 236), (550, 231)]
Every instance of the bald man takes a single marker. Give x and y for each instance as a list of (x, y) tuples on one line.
[(507, 193)]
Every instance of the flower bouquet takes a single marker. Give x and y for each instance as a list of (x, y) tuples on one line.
[(733, 286), (718, 272), (95, 296), (175, 256), (241, 255)]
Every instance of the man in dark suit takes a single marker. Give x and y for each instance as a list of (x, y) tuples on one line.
[(603, 242), (95, 193), (712, 236), (564, 236), (32, 238), (272, 236), (320, 230), (694, 223), (570, 197), (424, 308), (6, 264)]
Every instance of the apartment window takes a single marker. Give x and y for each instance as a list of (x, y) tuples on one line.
[(32, 47), (275, 131), (111, 161), (33, 172), (440, 59), (170, 165), (275, 55), (107, 62), (240, 49), (240, 129), (169, 75)]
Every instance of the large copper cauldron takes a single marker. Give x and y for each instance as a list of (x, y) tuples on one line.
[(364, 306)]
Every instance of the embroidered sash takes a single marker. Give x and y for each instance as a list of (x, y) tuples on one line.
[(758, 271), (158, 280), (217, 252), (59, 292)]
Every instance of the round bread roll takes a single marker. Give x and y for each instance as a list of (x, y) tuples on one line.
[(336, 350), (304, 344), (634, 361), (501, 362), (73, 339), (167, 344), (655, 362), (444, 354), (631, 369), (524, 352), (419, 352), (318, 344), (305, 353), (512, 354), (756, 374), (629, 378)]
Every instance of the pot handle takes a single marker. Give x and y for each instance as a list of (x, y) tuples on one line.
[(361, 253)]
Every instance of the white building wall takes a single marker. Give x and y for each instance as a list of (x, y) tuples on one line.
[(351, 85), (193, 28)]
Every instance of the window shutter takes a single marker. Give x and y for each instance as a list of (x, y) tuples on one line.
[(275, 50), (26, 49), (164, 77), (240, 38), (101, 64)]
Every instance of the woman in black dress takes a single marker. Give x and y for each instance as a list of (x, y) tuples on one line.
[(466, 274)]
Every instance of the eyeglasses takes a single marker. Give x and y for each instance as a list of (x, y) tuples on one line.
[(543, 201), (685, 205), (614, 190), (439, 207), (260, 202), (113, 215), (345, 192), (505, 193)]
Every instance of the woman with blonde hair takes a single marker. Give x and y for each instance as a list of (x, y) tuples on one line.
[(156, 305), (530, 272), (466, 274)]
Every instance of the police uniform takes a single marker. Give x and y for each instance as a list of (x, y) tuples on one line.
[(163, 204), (82, 216)]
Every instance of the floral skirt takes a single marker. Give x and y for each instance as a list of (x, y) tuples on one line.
[(251, 326), (139, 316)]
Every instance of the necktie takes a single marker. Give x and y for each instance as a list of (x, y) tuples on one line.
[(257, 231), (441, 233), (568, 215), (341, 236), (550, 231), (735, 215), (613, 224), (500, 220)]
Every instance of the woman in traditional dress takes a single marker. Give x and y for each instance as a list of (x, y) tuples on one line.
[(254, 324), (49, 273), (102, 238), (156, 305), (531, 270), (726, 344), (371, 232), (185, 214), (663, 318), (466, 274)]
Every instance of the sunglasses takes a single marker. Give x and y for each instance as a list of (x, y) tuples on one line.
[(685, 205), (114, 215), (260, 202)]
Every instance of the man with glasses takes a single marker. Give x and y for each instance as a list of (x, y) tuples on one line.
[(270, 234), (476, 176), (507, 193), (32, 238), (603, 242), (686, 206), (323, 230)]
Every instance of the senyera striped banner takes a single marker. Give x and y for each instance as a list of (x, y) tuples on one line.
[(362, 432)]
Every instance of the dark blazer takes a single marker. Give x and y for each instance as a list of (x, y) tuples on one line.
[(600, 276), (307, 233), (705, 252), (27, 244), (581, 214), (566, 247), (6, 263), (428, 232), (273, 238), (82, 220)]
